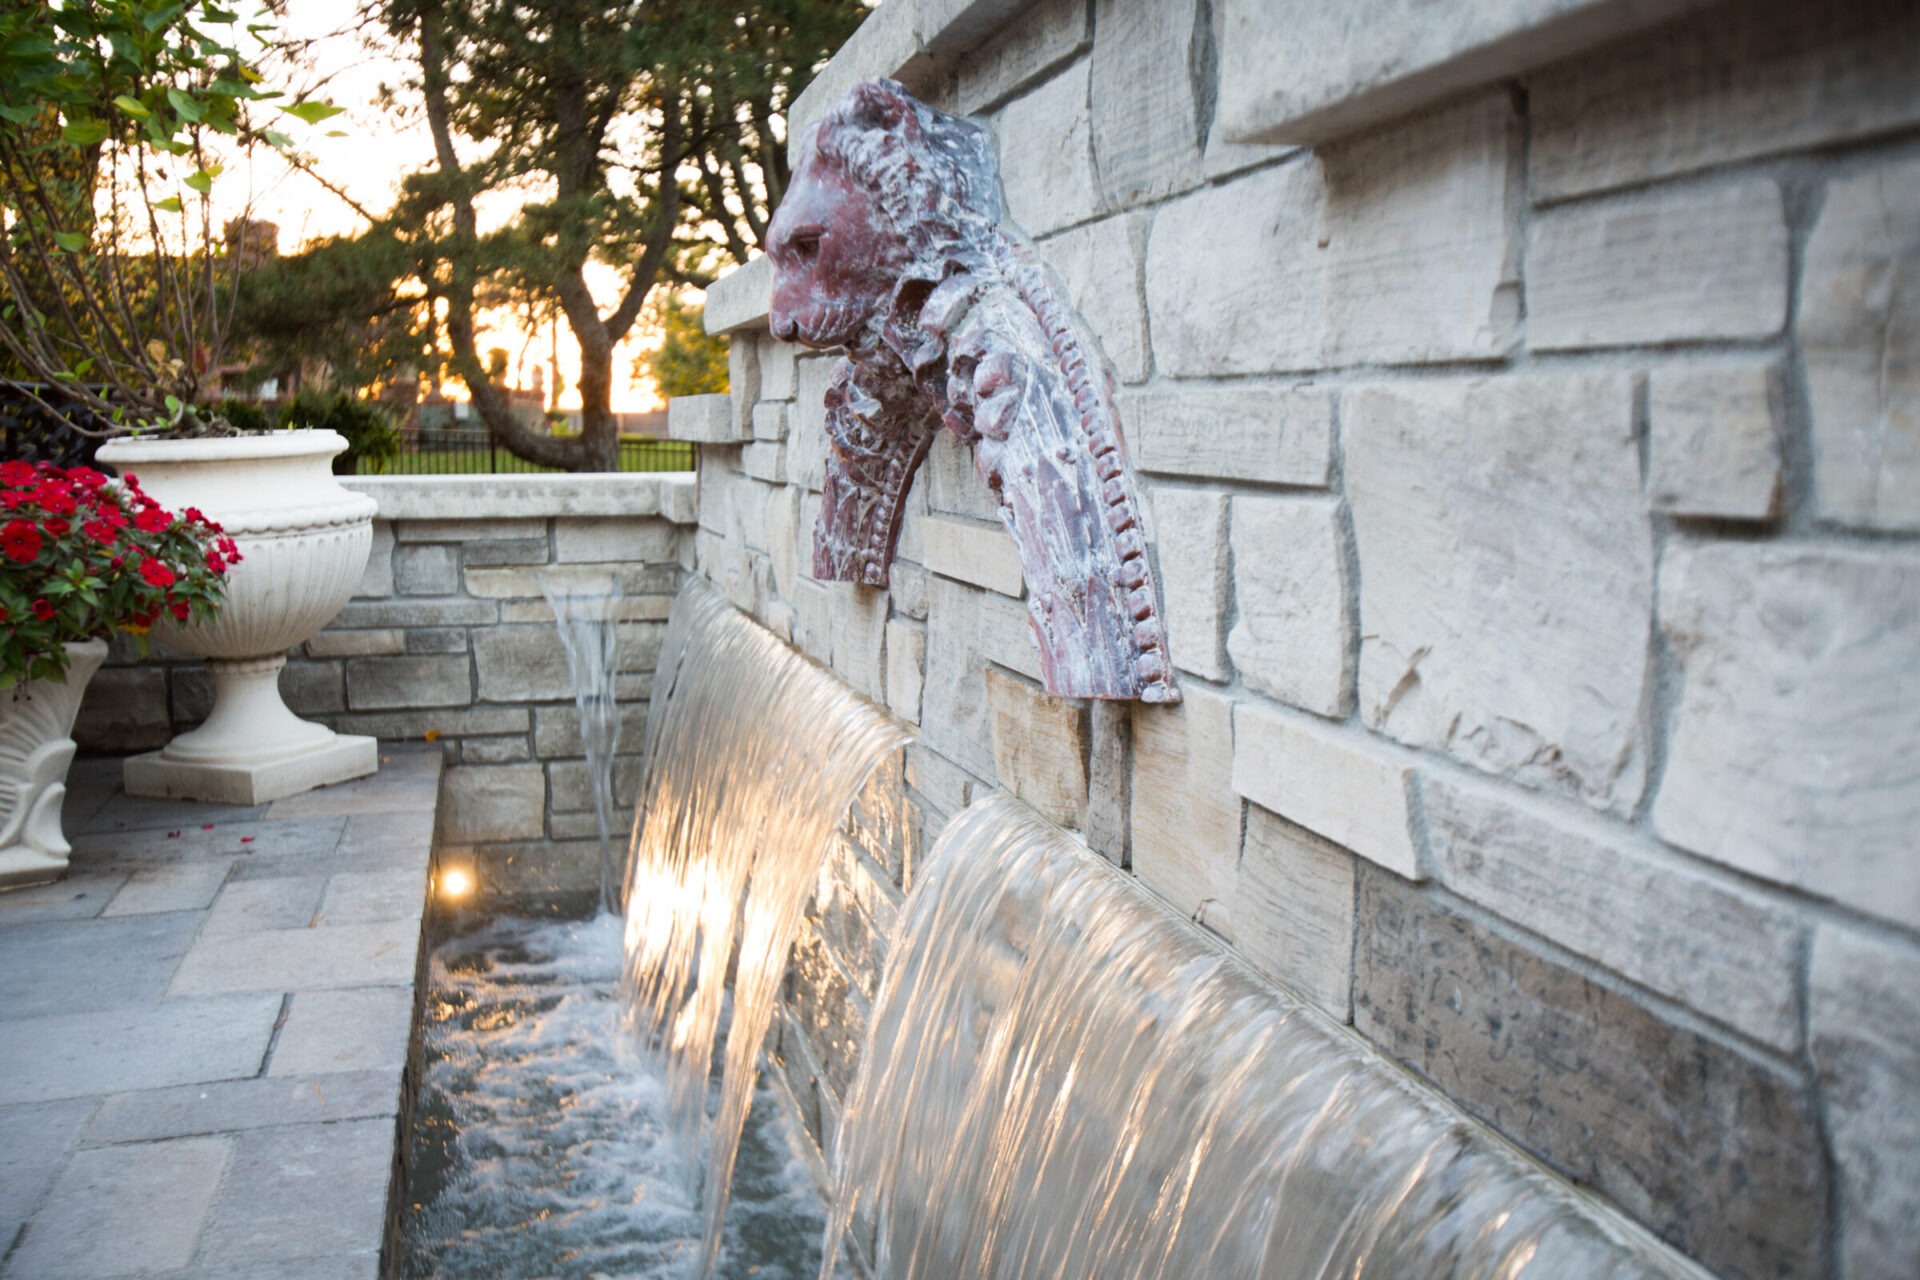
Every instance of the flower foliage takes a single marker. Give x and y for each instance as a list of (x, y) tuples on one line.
[(83, 556)]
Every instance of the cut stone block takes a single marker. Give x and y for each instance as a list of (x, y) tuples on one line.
[(615, 541), (1718, 1153), (1185, 824), (1190, 539), (1046, 155), (341, 1031), (1333, 782), (1714, 439), (1293, 639), (425, 569), (1100, 266), (701, 419), (1264, 435), (1039, 747), (1864, 1002), (1505, 621), (178, 1042), (1294, 911), (126, 1211), (76, 966), (362, 897), (1683, 266), (1039, 41), (966, 628), (1794, 752), (1696, 939), (376, 580), (1236, 275), (983, 555), (483, 803), (1143, 100), (1423, 238), (380, 684), (123, 709), (1360, 63), (1735, 82), (906, 668), (274, 902), (35, 1139), (357, 644), (1859, 332)]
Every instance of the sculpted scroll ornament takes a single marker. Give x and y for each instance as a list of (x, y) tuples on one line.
[(889, 243)]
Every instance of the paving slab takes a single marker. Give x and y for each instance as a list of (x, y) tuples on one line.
[(35, 1139), (234, 1105), (364, 897), (273, 902), (145, 848), (352, 955), (115, 1050), (341, 1266), (186, 886), (78, 897), (311, 1190), (75, 966), (157, 1196), (334, 1031), (123, 812)]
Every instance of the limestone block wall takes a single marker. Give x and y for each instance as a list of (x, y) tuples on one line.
[(449, 639), (1534, 477)]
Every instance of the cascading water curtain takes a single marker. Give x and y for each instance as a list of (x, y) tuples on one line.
[(753, 755), (587, 611), (1063, 1080)]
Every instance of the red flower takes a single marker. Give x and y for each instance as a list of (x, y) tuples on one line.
[(157, 574), (42, 610), (180, 610), (56, 498), (57, 527), (214, 562), (20, 541), (110, 513), (86, 477), (152, 519), (17, 473), (101, 532), (17, 497)]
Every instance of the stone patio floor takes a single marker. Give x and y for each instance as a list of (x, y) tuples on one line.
[(204, 1027)]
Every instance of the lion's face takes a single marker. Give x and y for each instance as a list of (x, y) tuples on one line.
[(834, 256)]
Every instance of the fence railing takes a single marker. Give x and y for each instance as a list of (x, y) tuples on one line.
[(455, 451), (30, 433)]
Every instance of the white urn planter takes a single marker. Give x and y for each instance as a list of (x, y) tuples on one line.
[(36, 746), (304, 541)]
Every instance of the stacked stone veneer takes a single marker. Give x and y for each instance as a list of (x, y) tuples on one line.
[(1535, 483), (449, 639)]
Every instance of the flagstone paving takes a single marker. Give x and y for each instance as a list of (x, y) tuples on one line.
[(203, 1030)]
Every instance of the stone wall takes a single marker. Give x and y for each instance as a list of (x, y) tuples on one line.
[(1535, 482), (448, 639)]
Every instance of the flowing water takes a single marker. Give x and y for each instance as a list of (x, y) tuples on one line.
[(1062, 1080), (753, 755), (541, 1148), (588, 614)]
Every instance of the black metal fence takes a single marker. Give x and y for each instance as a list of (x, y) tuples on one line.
[(28, 432), (457, 451)]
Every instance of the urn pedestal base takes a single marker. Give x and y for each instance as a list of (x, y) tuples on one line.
[(337, 759)]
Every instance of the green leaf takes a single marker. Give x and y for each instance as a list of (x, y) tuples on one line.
[(185, 106), (277, 139), (20, 115), (170, 205), (71, 241), (161, 17), (84, 133), (336, 133), (200, 180), (313, 112), (174, 406), (133, 107)]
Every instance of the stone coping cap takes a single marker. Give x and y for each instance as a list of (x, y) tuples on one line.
[(666, 494), (741, 298)]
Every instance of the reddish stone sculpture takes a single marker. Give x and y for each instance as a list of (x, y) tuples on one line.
[(889, 243)]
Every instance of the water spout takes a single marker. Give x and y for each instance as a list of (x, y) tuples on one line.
[(587, 611), (753, 755), (1061, 1079)]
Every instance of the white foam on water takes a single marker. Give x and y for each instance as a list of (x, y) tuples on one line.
[(559, 1158)]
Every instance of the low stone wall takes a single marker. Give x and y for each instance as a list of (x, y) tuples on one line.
[(1531, 484), (448, 639)]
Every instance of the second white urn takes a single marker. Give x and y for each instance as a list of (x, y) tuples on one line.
[(304, 540)]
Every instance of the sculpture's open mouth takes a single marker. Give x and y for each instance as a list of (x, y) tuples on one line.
[(830, 323)]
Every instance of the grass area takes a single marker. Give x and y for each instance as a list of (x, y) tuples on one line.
[(636, 455)]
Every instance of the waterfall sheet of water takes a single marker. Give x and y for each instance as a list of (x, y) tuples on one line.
[(587, 611), (753, 755), (1062, 1079)]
